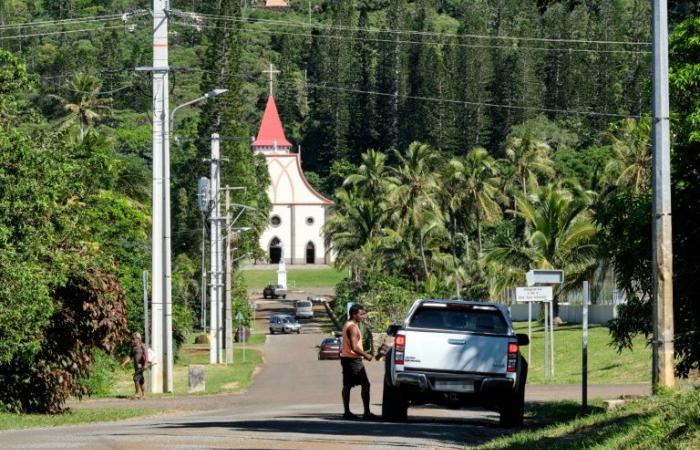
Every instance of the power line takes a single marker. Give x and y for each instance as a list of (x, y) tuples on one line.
[(76, 21), (53, 33), (456, 44), (470, 103), (196, 16)]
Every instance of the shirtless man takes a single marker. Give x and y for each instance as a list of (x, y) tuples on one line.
[(351, 355)]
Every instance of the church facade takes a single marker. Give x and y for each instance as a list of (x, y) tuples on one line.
[(295, 226)]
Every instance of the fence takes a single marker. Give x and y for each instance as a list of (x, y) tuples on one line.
[(597, 314)]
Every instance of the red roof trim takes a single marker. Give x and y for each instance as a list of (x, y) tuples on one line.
[(271, 132)]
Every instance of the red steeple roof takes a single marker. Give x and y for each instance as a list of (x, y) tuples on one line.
[(271, 132)]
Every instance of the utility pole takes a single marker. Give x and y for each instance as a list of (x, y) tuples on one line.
[(228, 319), (160, 279), (215, 254), (662, 238)]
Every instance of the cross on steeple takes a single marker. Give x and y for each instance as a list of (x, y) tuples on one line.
[(271, 71)]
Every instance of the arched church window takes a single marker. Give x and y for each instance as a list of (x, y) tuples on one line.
[(275, 221)]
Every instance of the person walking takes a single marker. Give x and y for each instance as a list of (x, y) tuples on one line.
[(351, 355), (139, 355)]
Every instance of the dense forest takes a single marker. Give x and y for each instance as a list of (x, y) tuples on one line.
[(463, 141)]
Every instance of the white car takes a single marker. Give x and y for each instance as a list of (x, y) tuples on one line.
[(303, 309), (282, 323)]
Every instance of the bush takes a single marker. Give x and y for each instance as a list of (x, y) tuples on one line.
[(101, 377)]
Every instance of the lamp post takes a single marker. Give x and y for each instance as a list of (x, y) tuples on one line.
[(167, 263)]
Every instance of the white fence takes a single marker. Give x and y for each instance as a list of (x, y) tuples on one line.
[(597, 314)]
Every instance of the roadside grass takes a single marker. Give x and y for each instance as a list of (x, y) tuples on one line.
[(219, 378), (670, 420), (326, 277), (605, 364), (9, 421)]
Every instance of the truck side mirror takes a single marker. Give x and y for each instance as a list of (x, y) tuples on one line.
[(523, 339), (393, 329)]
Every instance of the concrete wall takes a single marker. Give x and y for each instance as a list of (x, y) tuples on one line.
[(597, 314)]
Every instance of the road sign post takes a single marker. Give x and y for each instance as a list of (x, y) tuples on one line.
[(530, 294)]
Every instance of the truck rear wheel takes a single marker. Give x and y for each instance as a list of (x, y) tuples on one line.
[(394, 407), (512, 408)]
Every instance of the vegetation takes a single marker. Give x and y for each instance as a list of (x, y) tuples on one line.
[(463, 141), (671, 420), (326, 277), (10, 421)]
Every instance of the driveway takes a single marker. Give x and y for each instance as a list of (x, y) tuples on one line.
[(293, 403)]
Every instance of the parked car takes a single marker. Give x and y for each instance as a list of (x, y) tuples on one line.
[(274, 291), (303, 309), (316, 300), (283, 323), (329, 348), (456, 354)]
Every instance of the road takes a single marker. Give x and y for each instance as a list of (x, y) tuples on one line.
[(293, 403)]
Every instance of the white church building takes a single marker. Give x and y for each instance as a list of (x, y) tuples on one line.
[(295, 225)]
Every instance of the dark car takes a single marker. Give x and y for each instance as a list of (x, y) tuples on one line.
[(329, 348), (274, 291)]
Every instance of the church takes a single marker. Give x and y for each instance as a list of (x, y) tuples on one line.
[(295, 226)]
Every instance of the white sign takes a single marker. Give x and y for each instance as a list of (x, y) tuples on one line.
[(534, 294), (544, 276), (239, 317)]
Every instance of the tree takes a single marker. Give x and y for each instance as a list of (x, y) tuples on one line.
[(562, 235), (630, 166), (83, 103), (478, 180)]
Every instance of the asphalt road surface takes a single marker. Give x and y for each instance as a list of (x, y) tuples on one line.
[(293, 403)]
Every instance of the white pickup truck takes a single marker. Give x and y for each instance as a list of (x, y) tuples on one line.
[(456, 353)]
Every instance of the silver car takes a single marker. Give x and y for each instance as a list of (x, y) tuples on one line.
[(283, 323)]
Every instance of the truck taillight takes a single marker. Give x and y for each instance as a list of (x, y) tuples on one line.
[(399, 348), (512, 357)]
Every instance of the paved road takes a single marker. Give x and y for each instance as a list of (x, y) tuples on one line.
[(294, 403)]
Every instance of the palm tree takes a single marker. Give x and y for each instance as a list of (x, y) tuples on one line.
[(354, 227), (83, 103), (372, 176), (631, 166), (477, 177), (413, 188), (530, 157), (562, 236)]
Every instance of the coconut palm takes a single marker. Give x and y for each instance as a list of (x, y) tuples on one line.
[(631, 166), (562, 235), (371, 176), (477, 178), (413, 185), (83, 103), (530, 157)]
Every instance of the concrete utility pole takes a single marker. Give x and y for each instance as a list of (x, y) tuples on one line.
[(663, 360), (160, 310), (228, 319), (215, 255)]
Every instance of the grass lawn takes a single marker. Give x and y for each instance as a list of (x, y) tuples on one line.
[(670, 421), (296, 278), (13, 421), (605, 365), (218, 378)]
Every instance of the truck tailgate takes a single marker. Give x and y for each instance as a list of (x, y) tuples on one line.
[(455, 352)]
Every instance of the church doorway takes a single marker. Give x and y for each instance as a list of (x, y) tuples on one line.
[(310, 253), (275, 251)]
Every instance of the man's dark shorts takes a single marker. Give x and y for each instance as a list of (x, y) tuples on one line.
[(354, 372), (138, 377)]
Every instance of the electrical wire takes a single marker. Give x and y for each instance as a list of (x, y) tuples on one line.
[(54, 33), (421, 42), (76, 21), (410, 32), (470, 103)]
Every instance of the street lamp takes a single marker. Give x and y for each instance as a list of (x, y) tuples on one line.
[(167, 285)]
